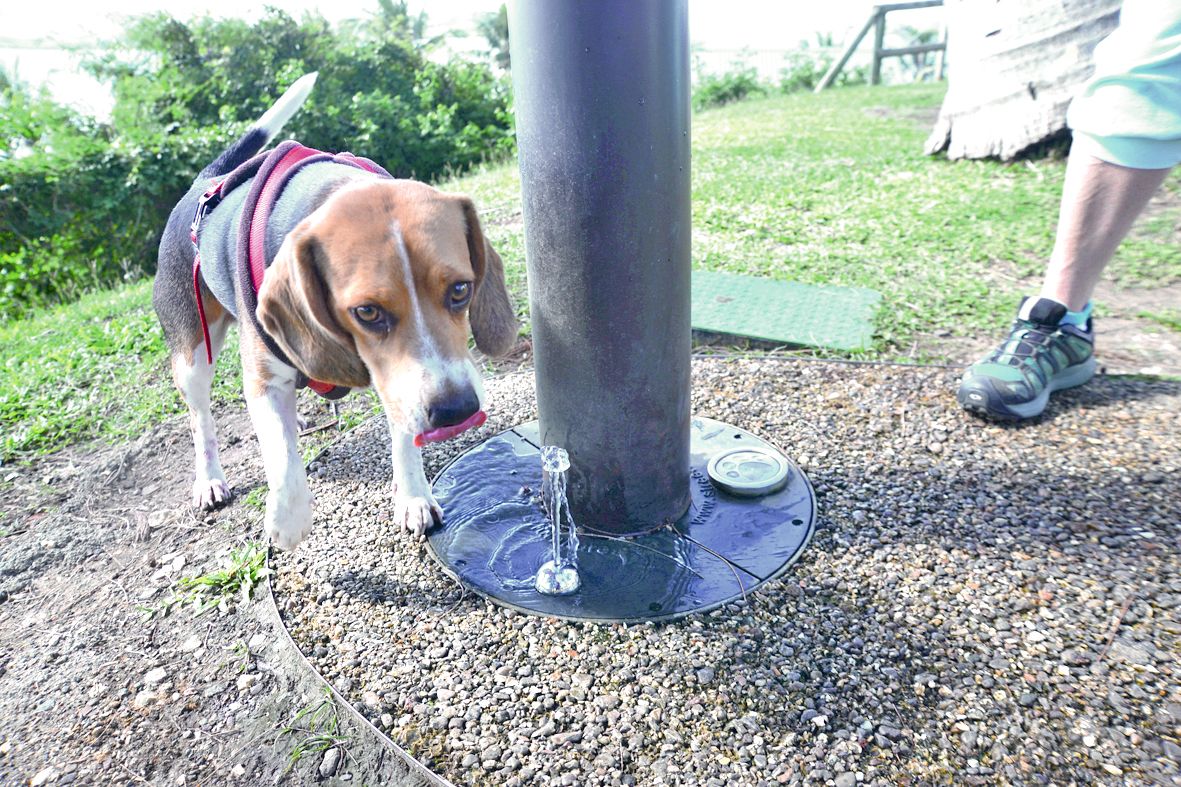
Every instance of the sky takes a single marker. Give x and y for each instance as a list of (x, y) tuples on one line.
[(723, 28)]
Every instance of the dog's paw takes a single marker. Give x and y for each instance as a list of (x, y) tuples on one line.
[(288, 520), (211, 493), (416, 514)]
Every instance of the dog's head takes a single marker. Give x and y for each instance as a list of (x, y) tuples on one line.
[(378, 286)]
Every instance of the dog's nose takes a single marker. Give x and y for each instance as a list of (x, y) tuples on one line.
[(452, 408)]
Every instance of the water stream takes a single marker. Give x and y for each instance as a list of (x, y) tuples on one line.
[(559, 575)]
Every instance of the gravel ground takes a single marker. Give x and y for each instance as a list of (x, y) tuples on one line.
[(981, 604)]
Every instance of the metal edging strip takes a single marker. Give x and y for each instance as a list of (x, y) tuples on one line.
[(416, 767)]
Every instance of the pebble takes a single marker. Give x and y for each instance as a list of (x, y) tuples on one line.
[(44, 776), (950, 608), (155, 676), (330, 762)]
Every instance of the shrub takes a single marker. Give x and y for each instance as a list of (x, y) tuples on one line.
[(82, 204), (806, 67), (714, 90)]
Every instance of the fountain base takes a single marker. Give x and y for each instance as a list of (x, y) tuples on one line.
[(496, 535)]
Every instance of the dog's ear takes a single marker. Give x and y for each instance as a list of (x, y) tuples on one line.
[(492, 314), (293, 309)]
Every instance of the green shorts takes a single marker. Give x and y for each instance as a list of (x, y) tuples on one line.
[(1129, 111)]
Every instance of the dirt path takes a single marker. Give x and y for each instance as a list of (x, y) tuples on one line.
[(93, 692), (1125, 341)]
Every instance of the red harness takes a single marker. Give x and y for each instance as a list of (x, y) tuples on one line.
[(270, 172)]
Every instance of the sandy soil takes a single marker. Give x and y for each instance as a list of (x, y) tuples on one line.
[(92, 690)]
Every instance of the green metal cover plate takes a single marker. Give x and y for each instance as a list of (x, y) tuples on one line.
[(840, 318)]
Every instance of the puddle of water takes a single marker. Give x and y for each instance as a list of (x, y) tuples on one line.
[(498, 533)]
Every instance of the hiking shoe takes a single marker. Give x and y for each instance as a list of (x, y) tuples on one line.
[(1041, 355)]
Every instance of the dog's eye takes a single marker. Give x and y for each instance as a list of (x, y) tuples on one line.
[(459, 294), (368, 314)]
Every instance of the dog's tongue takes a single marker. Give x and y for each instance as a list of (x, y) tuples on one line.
[(447, 432)]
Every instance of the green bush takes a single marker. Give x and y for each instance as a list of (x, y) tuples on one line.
[(715, 90), (806, 67), (377, 94), (82, 204), (74, 217), (48, 269)]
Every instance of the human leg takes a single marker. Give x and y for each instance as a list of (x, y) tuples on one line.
[(1100, 202), (1127, 136)]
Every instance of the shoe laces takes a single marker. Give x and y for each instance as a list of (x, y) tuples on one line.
[(1026, 340)]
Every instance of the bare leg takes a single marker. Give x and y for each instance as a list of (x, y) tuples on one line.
[(1100, 202)]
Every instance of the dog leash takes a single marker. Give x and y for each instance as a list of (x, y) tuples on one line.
[(207, 203)]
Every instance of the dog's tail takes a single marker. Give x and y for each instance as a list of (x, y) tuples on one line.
[(264, 129)]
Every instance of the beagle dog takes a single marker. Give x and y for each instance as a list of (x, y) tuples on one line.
[(369, 280)]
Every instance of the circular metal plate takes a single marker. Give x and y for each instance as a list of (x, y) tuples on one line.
[(748, 471), (495, 536)]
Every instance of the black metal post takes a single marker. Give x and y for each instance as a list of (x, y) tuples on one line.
[(602, 108)]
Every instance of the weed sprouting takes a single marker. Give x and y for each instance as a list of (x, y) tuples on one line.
[(318, 728), (256, 498), (242, 570)]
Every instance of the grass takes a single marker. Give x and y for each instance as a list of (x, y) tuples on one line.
[(241, 571), (98, 368), (317, 726), (93, 368), (1169, 318), (828, 189), (834, 189), (256, 498)]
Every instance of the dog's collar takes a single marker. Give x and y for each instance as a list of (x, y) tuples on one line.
[(268, 173)]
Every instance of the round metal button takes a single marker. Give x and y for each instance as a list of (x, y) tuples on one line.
[(748, 471)]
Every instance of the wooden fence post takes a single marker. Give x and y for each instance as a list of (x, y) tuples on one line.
[(879, 39), (848, 53), (877, 20)]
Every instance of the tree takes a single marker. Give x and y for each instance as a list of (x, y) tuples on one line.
[(494, 27), (920, 65), (393, 19), (377, 95), (1013, 69), (83, 203)]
